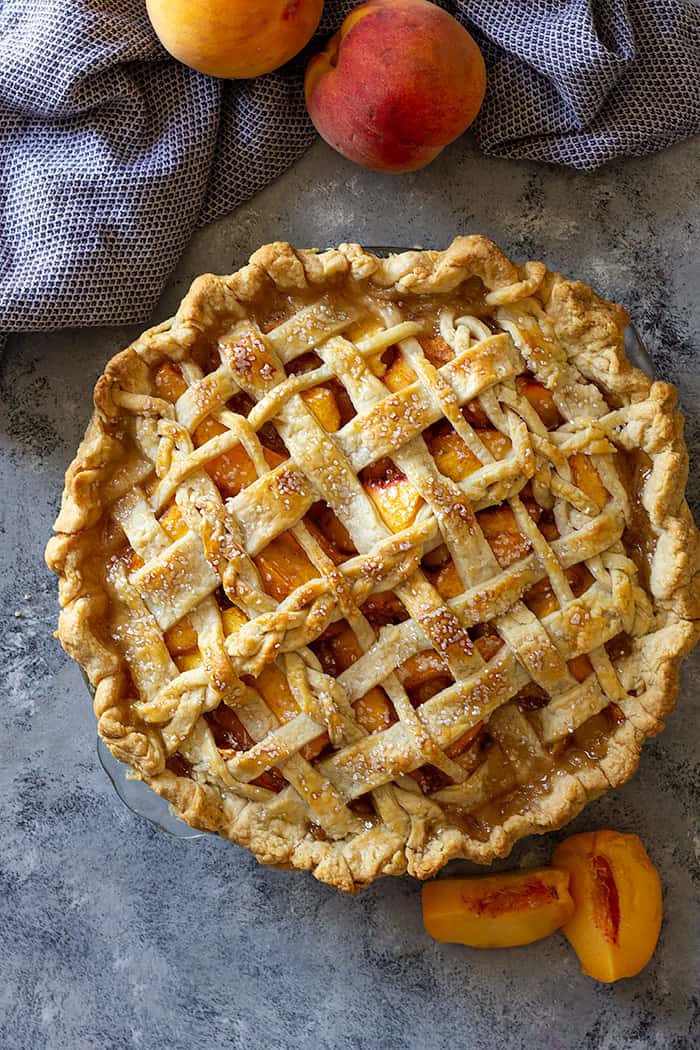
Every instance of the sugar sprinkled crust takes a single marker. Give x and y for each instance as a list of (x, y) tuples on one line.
[(542, 765)]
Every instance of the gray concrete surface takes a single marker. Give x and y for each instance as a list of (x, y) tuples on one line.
[(112, 934)]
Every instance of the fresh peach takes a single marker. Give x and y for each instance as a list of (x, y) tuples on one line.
[(399, 81), (234, 38)]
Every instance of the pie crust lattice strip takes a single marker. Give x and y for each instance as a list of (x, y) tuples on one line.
[(373, 563)]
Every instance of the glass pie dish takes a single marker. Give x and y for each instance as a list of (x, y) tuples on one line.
[(144, 802)]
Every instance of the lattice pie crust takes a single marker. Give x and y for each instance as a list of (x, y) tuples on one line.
[(373, 563)]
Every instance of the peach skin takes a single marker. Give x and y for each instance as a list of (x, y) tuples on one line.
[(497, 911), (399, 81), (618, 907), (234, 39)]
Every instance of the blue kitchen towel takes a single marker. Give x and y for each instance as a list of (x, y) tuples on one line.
[(112, 153)]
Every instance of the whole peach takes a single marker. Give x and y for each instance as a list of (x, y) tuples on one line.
[(234, 38), (399, 81)]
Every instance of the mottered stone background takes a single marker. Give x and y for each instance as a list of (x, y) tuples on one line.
[(114, 935)]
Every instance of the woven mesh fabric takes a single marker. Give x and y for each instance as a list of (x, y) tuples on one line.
[(111, 153)]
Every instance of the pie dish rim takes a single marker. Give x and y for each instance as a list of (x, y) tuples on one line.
[(351, 865)]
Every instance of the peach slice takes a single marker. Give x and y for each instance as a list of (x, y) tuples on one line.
[(487, 640), (498, 911), (399, 374), (580, 667), (455, 459), (384, 607), (231, 619), (587, 478), (339, 647), (324, 406), (618, 907), (465, 741), (541, 400), (501, 531), (421, 668), (274, 689), (233, 470), (475, 415), (169, 382), (283, 566), (447, 581), (540, 598), (181, 637), (330, 532), (172, 522), (188, 661), (374, 710), (231, 735), (392, 493), (436, 349)]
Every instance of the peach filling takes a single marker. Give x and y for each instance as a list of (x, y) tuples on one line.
[(395, 498), (338, 649), (233, 470), (284, 566), (230, 735)]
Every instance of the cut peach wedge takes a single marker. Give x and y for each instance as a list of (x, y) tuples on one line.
[(618, 907), (498, 911), (392, 493)]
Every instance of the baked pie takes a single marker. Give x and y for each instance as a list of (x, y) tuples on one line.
[(373, 563)]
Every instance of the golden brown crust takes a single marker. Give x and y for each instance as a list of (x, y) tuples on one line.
[(573, 342)]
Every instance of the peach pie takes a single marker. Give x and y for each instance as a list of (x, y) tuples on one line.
[(373, 563)]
